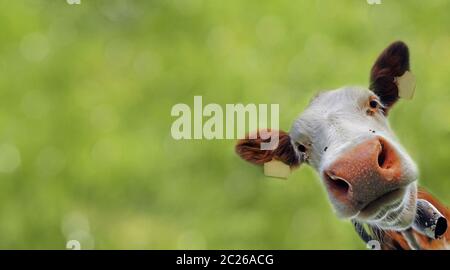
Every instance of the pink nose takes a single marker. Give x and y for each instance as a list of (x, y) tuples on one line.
[(364, 173)]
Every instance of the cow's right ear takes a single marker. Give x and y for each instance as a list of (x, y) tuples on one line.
[(250, 150)]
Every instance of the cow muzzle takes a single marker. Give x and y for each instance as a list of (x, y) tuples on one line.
[(366, 177)]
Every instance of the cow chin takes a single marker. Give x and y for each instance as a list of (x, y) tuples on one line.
[(396, 214)]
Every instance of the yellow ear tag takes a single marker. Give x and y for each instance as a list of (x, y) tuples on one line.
[(276, 168), (406, 85)]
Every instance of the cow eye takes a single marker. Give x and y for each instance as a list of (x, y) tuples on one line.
[(301, 148), (373, 104)]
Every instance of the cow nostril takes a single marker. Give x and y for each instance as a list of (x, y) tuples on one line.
[(382, 157), (336, 185), (341, 184)]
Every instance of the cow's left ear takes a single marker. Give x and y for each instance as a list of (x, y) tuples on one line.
[(392, 63), (250, 148)]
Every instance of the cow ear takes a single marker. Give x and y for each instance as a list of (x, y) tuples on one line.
[(250, 148), (393, 62)]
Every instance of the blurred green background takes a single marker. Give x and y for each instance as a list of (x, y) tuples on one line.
[(85, 98)]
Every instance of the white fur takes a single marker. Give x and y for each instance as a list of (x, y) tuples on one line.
[(337, 120)]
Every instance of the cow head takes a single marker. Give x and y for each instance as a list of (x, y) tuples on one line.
[(345, 136)]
